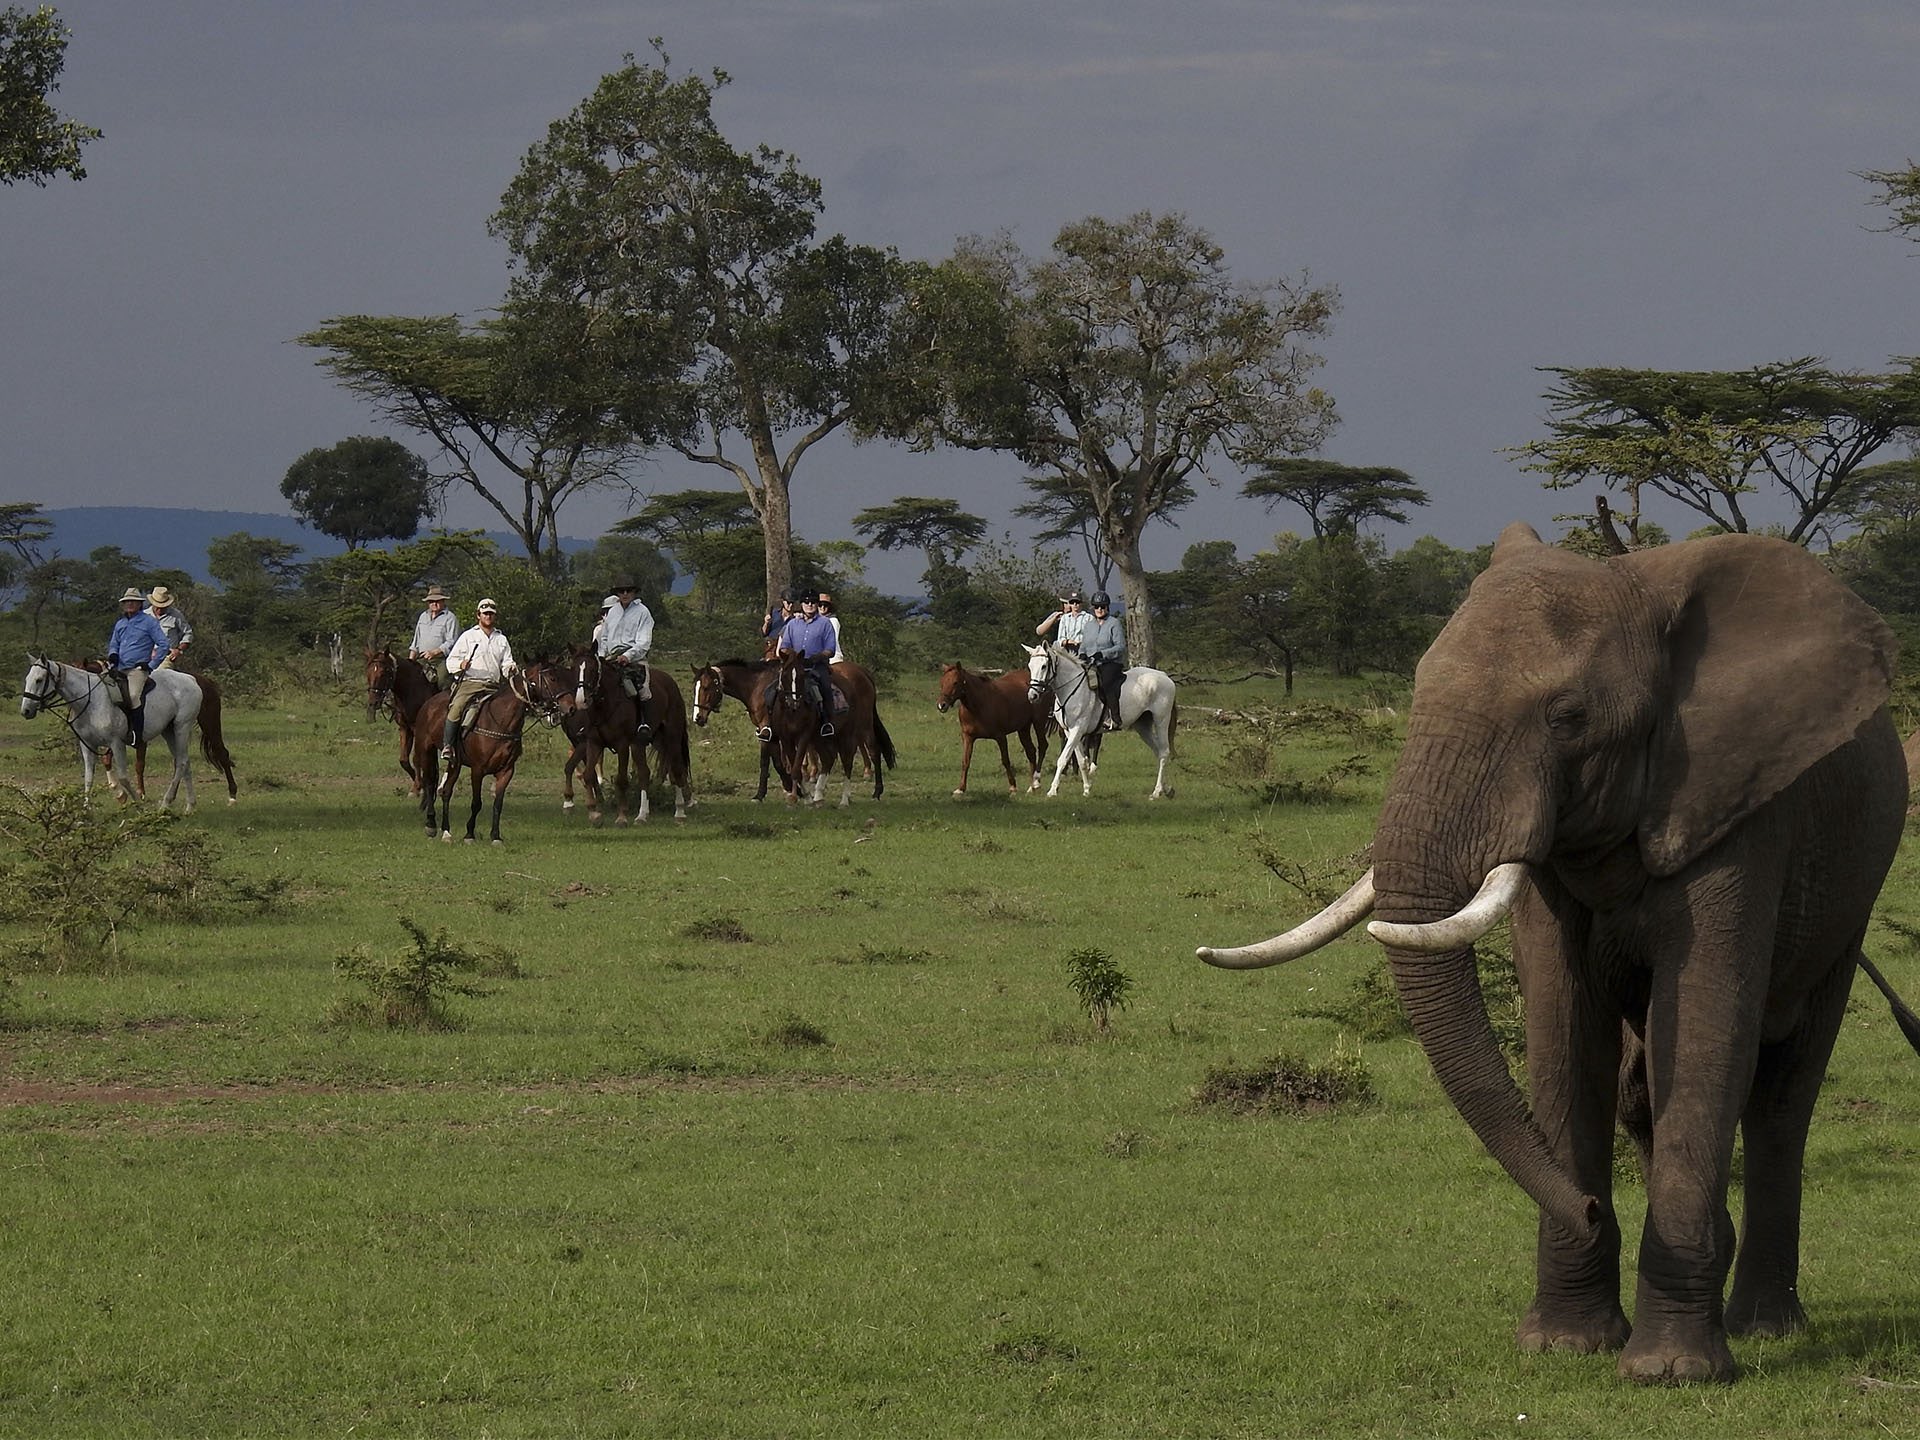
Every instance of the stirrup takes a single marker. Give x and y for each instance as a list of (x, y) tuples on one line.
[(826, 729), (765, 732), (643, 730)]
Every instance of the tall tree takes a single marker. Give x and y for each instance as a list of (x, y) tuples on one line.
[(1065, 510), (1709, 439), (1338, 499), (1899, 195), (24, 532), (372, 589), (638, 212), (533, 392), (708, 532), (366, 487), (937, 527), (35, 142), (1132, 360)]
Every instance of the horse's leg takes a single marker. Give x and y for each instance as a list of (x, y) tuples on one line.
[(406, 752), (182, 761), (447, 783), (140, 769), (566, 777), (1006, 764), (474, 779), (1034, 762), (501, 779), (593, 777), (643, 778), (766, 764), (1069, 749), (966, 760)]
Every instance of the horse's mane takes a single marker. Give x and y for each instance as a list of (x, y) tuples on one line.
[(743, 664)]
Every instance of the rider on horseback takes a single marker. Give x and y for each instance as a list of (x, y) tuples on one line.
[(810, 636), (1104, 644), (480, 660), (433, 636), (626, 636), (137, 645)]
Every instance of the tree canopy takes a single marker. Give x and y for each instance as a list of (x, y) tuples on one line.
[(36, 143), (936, 526), (1338, 499), (1123, 363), (1708, 439), (366, 487), (636, 212)]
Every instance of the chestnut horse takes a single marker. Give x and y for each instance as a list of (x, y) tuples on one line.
[(490, 747), (805, 753), (745, 681), (399, 684), (992, 709), (609, 719)]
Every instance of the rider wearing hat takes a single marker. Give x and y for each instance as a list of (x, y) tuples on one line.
[(810, 636), (625, 640), (137, 646), (1068, 623), (826, 614), (1104, 644), (178, 631), (433, 636), (480, 659)]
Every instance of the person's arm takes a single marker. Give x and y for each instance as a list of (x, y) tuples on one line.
[(507, 665), (642, 632), (186, 628), (1047, 624)]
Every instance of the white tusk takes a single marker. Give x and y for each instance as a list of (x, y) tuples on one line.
[(1466, 925), (1331, 923)]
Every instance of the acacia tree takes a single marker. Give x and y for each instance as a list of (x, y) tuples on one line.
[(636, 211), (533, 392), (1065, 511), (366, 487), (35, 142), (1132, 360), (706, 532), (1338, 499), (1708, 439), (369, 586), (936, 526)]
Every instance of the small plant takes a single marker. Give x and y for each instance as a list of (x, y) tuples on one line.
[(75, 873), (1322, 789), (748, 830), (410, 991), (723, 928), (793, 1033), (1035, 1348), (1101, 987), (892, 955), (981, 845), (1287, 1085)]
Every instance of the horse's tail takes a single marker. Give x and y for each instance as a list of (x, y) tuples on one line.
[(1904, 1017), (882, 742), (682, 753), (213, 745), (1173, 723)]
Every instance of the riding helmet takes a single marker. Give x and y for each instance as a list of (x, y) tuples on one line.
[(1099, 601)]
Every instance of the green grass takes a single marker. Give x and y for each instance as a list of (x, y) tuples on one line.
[(629, 1197)]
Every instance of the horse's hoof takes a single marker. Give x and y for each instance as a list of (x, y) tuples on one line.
[(959, 794), (233, 799), (566, 804), (497, 841), (467, 841), (446, 837), (594, 820)]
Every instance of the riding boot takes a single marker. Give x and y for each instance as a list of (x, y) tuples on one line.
[(448, 733), (137, 719)]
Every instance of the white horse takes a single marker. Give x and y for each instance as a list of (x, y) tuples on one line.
[(97, 721), (1146, 708)]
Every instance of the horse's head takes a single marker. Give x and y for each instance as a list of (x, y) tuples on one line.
[(549, 684), (790, 683), (708, 692), (1041, 666), (39, 688), (381, 669), (953, 687), (583, 666)]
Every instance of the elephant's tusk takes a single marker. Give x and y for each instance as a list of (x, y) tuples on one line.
[(1330, 924), (1466, 925)]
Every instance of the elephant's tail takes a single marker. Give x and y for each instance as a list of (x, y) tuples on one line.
[(1903, 1015)]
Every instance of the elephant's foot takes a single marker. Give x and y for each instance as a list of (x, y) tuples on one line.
[(1547, 1327), (1764, 1315), (1677, 1354)]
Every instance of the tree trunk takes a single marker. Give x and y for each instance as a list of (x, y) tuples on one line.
[(1133, 585), (776, 524)]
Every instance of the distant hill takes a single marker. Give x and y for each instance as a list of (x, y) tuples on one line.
[(177, 539)]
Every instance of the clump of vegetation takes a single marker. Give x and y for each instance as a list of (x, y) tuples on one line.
[(723, 928), (1318, 884), (412, 990), (1370, 1008), (1034, 1348), (1100, 986), (1325, 788), (1287, 1085), (890, 955), (1259, 731), (981, 845), (77, 876), (747, 829), (791, 1032)]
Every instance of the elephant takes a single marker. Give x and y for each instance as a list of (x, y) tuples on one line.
[(1690, 849)]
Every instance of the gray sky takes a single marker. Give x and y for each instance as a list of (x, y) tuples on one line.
[(1493, 185)]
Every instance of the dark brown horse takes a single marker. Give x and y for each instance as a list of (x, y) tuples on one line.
[(746, 681), (805, 754), (993, 709), (609, 719), (401, 684), (490, 747)]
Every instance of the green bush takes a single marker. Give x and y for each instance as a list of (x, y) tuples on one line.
[(1099, 984), (1287, 1085), (411, 990)]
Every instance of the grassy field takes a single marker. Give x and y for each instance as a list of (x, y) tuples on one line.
[(790, 1125)]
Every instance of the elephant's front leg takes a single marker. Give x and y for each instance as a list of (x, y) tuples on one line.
[(1711, 936), (1573, 1059)]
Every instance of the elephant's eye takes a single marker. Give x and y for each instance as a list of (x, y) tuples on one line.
[(1567, 718)]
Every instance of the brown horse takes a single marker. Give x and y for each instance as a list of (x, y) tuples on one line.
[(993, 709), (745, 681), (806, 754), (400, 684), (490, 747), (609, 719)]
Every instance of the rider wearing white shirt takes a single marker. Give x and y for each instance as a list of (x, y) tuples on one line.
[(626, 638), (480, 659)]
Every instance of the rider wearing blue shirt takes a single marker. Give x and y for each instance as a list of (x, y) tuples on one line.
[(136, 646), (810, 635)]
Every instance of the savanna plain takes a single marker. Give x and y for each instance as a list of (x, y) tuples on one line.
[(792, 1123)]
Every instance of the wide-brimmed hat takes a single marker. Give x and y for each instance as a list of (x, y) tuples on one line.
[(609, 602), (436, 593), (825, 598), (161, 597), (625, 585), (134, 595), (486, 607)]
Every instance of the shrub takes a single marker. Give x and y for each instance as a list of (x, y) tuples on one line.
[(1100, 986), (76, 874), (1287, 1085), (723, 928), (793, 1033), (410, 991)]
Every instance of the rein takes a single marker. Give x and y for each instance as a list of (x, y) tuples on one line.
[(57, 701), (1060, 697)]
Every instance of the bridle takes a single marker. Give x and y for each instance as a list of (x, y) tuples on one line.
[(380, 691), (960, 678), (707, 676), (1076, 682), (56, 700)]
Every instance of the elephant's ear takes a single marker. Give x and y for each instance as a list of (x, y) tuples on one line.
[(1774, 665)]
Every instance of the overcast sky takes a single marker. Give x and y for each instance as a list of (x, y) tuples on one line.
[(1493, 187)]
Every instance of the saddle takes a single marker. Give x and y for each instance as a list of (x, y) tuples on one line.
[(125, 702), (837, 701)]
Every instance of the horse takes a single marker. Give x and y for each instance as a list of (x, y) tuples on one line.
[(400, 684), (94, 716), (491, 746), (993, 709), (213, 745), (743, 680), (1146, 708), (608, 719), (804, 751)]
